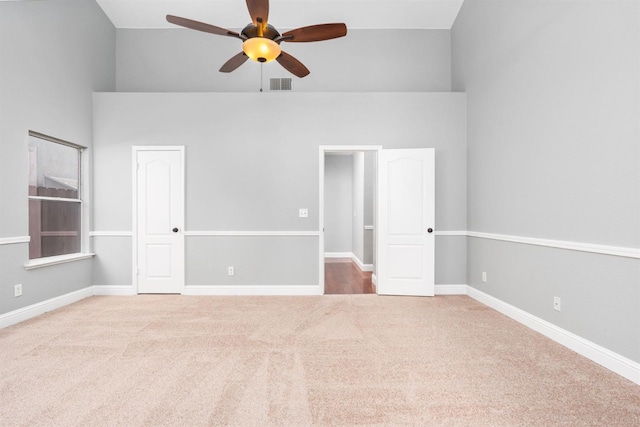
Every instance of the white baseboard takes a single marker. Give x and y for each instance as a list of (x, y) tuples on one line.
[(374, 279), (602, 356), (338, 254), (253, 290), (362, 266), (451, 289), (31, 311), (114, 290)]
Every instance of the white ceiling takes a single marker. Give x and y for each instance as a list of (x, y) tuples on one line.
[(288, 14)]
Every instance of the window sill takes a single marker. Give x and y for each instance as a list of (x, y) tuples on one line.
[(55, 260)]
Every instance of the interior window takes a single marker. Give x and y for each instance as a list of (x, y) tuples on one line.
[(55, 206)]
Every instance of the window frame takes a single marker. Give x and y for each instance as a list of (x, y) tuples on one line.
[(80, 200)]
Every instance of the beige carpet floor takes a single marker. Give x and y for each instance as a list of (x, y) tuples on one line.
[(296, 361)]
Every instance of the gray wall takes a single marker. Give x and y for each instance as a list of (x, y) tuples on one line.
[(255, 178), (338, 200), (349, 204), (357, 207), (53, 55), (553, 106), (369, 203), (180, 60)]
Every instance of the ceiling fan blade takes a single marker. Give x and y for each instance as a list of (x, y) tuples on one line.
[(201, 26), (234, 63), (259, 11), (292, 65), (315, 33)]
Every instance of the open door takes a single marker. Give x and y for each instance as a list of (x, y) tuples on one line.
[(406, 222)]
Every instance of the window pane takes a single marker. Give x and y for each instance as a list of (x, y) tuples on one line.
[(54, 172), (53, 169), (54, 228)]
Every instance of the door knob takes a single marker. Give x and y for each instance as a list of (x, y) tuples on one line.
[(430, 230), (175, 229)]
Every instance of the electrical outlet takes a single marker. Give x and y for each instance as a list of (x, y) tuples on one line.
[(17, 290), (556, 303), (484, 276), (303, 213), (231, 271)]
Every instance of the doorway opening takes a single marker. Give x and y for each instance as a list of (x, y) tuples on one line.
[(347, 220)]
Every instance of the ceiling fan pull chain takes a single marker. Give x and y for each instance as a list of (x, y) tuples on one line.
[(261, 65)]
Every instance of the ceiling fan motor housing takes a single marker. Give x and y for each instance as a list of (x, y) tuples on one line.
[(251, 31)]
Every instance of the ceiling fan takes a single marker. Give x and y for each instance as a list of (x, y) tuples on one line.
[(261, 41)]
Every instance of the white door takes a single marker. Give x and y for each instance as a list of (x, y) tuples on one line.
[(406, 222), (160, 220)]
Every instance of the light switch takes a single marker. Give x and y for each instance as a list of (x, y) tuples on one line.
[(303, 213)]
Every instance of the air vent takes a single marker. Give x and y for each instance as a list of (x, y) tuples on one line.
[(280, 84)]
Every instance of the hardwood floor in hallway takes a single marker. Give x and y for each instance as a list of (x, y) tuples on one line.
[(342, 276)]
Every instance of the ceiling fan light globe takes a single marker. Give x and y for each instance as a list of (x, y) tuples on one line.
[(261, 49)]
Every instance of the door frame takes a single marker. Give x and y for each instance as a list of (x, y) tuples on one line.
[(134, 202), (322, 150)]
